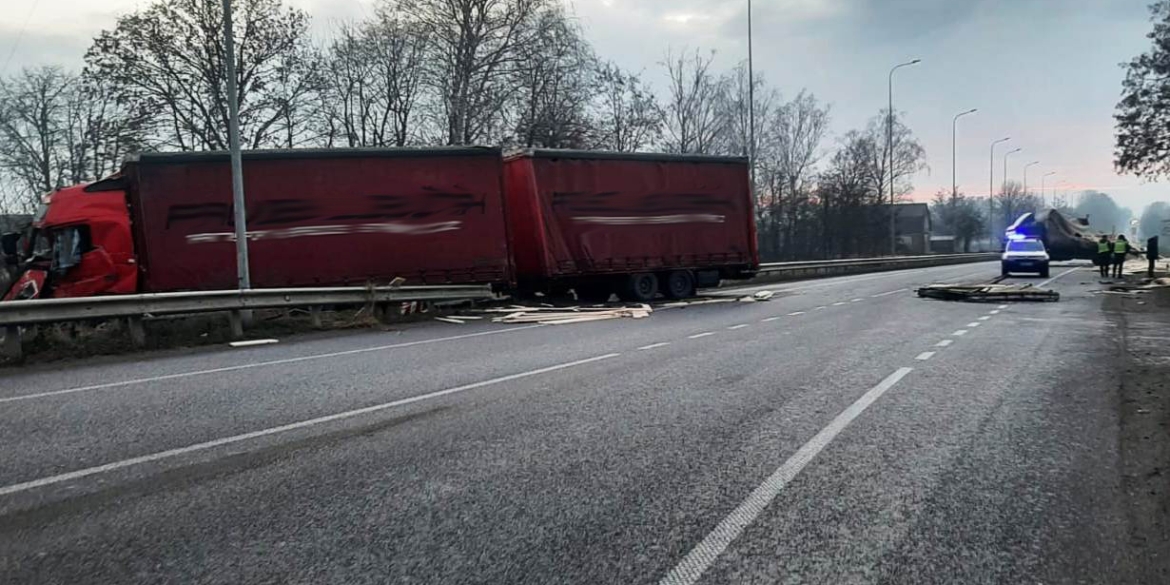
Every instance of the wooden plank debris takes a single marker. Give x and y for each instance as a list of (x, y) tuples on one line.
[(987, 293), (544, 315)]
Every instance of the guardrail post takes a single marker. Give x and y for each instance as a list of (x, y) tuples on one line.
[(315, 316), (137, 331), (237, 323), (12, 343)]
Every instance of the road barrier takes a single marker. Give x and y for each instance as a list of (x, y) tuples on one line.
[(17, 314), (776, 271)]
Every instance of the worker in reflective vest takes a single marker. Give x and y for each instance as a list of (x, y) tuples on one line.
[(1120, 249), (1104, 255)]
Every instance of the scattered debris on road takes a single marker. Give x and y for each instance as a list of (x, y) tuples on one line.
[(987, 293), (253, 342), (550, 315)]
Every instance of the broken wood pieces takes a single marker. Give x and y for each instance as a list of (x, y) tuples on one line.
[(547, 315), (988, 293)]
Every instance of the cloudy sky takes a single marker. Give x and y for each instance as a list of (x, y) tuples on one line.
[(1045, 72)]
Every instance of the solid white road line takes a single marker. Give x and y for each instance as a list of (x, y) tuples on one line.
[(653, 346), (974, 324), (734, 327), (692, 567), (258, 365), (892, 292), (984, 318), (45, 481), (699, 335), (795, 313), (1054, 278), (960, 333), (925, 356), (944, 343), (769, 319)]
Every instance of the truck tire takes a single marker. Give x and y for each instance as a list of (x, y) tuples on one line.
[(680, 284), (640, 288), (1044, 271)]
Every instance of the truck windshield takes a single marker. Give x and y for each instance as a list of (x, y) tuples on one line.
[(1025, 246)]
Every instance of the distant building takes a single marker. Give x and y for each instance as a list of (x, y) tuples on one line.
[(912, 227)]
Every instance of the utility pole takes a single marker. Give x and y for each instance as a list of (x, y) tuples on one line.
[(1042, 181), (890, 150), (243, 277), (1033, 163), (954, 156), (1004, 189), (751, 107), (991, 187)]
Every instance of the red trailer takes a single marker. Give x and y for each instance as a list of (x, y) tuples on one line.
[(315, 218), (633, 224)]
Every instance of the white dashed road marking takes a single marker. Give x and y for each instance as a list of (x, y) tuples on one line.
[(821, 308), (974, 324), (944, 343), (856, 300), (54, 479), (960, 333), (1002, 307), (795, 313), (692, 567), (734, 327), (995, 312), (925, 356), (892, 292), (699, 335), (653, 346), (770, 319)]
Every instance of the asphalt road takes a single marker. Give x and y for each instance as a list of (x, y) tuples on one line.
[(844, 432)]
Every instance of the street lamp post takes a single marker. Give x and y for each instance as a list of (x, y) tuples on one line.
[(1031, 164), (243, 277), (1042, 180), (890, 150), (751, 106), (991, 186), (954, 155), (1003, 190)]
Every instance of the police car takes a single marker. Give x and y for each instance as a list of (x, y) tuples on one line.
[(1024, 255)]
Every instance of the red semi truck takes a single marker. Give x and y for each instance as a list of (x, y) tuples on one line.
[(541, 220)]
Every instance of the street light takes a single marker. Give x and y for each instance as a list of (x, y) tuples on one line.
[(751, 106), (1003, 190), (1033, 163), (954, 156), (1045, 176), (243, 277), (991, 186), (890, 149)]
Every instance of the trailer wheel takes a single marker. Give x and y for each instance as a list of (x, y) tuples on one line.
[(680, 284), (642, 287)]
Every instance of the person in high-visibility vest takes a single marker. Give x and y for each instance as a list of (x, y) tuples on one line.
[(1104, 255), (1120, 250)]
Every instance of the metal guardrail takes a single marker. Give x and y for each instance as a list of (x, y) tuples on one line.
[(14, 314), (781, 270)]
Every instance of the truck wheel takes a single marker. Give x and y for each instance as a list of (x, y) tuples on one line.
[(1044, 272), (642, 287), (680, 284)]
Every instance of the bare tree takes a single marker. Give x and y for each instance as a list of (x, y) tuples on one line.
[(554, 80), (376, 78), (167, 61), (694, 119), (909, 155), (33, 131), (473, 54), (626, 112), (737, 131), (1013, 202)]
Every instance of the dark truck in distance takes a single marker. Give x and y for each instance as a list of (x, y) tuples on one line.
[(537, 221)]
